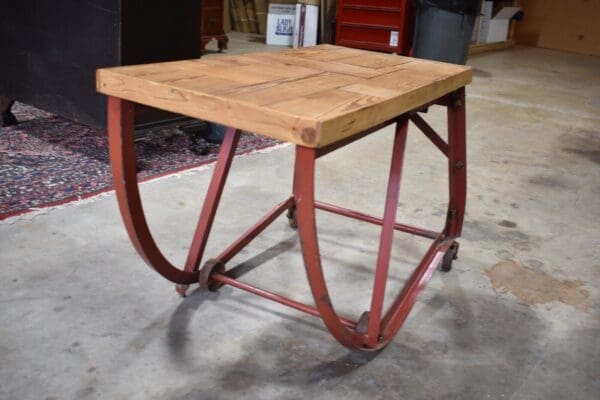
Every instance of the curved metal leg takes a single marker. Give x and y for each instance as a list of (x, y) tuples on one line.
[(374, 331), (387, 234), (367, 335), (305, 212), (211, 203), (445, 245), (123, 163), (404, 302), (457, 164)]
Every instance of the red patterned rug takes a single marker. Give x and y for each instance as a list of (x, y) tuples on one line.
[(47, 160)]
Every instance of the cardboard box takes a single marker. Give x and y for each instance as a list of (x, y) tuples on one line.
[(495, 29), (292, 24), (306, 25), (484, 21), (280, 24)]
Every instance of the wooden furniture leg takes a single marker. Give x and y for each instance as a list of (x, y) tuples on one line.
[(223, 41), (8, 118)]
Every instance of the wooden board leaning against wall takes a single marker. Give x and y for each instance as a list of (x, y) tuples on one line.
[(561, 25), (249, 16)]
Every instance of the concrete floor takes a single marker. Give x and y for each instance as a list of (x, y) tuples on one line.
[(81, 317)]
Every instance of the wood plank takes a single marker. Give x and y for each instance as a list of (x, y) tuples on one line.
[(485, 47), (243, 13), (370, 90), (326, 104), (341, 126), (325, 66), (207, 84), (260, 7), (258, 73), (561, 25), (271, 92), (324, 52), (252, 23), (376, 61), (226, 17), (235, 15), (278, 125), (310, 96)]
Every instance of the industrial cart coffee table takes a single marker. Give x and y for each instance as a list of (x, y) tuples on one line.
[(319, 98)]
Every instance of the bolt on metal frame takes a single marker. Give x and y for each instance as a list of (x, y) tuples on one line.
[(376, 327)]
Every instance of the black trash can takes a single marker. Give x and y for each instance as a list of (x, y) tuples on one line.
[(443, 29)]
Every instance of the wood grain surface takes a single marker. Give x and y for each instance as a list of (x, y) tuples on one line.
[(310, 96)]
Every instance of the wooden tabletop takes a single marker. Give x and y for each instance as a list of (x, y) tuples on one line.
[(311, 96)]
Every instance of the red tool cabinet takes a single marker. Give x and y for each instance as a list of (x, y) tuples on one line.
[(383, 25)]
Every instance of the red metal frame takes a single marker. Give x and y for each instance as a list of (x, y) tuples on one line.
[(376, 327)]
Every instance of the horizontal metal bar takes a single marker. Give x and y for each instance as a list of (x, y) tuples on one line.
[(374, 220), (363, 43), (369, 26), (275, 297), (254, 231), (430, 133), (403, 303), (371, 8)]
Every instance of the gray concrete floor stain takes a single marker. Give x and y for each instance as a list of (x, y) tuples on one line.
[(533, 286), (507, 224), (584, 143), (550, 181), (488, 231)]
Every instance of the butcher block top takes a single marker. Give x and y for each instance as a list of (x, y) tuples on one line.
[(312, 96)]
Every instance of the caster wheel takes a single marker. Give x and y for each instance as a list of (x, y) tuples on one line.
[(451, 255), (291, 216), (209, 268)]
